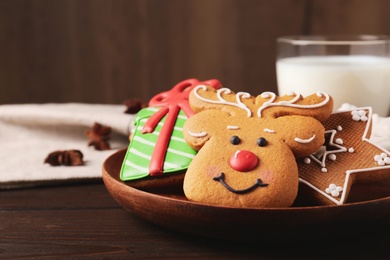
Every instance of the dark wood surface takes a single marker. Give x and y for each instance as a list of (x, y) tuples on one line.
[(101, 51), (84, 221), (104, 51)]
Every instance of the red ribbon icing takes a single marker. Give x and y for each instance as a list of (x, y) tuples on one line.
[(171, 102)]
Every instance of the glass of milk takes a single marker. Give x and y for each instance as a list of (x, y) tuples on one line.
[(352, 69)]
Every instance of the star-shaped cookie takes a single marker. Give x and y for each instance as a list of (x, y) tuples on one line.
[(347, 157)]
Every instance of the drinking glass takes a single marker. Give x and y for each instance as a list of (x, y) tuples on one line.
[(353, 69)]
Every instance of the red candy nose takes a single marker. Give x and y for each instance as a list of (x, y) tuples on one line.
[(243, 161)]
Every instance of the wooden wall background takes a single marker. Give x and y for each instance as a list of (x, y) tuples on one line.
[(104, 51)]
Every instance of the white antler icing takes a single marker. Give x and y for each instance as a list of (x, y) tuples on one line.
[(289, 103), (269, 103), (223, 101)]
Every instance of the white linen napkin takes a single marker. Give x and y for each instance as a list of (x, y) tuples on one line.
[(380, 133), (29, 132)]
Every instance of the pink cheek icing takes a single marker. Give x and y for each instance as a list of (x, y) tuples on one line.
[(267, 176)]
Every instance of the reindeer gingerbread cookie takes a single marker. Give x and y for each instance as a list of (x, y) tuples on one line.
[(247, 146)]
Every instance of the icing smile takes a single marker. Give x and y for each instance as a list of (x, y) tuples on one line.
[(221, 178)]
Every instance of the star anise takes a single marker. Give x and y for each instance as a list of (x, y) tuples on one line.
[(99, 137), (133, 105), (65, 157)]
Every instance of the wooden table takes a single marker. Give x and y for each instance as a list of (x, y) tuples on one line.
[(84, 221)]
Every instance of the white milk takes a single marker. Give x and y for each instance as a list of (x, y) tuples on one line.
[(357, 80)]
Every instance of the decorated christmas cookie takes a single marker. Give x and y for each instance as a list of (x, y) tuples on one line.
[(347, 157), (247, 146), (157, 147)]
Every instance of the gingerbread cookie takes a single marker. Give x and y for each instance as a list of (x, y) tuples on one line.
[(347, 157), (158, 154), (247, 146)]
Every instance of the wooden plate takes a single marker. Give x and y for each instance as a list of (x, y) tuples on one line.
[(172, 210)]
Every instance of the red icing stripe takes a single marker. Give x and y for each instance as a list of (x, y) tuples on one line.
[(171, 102)]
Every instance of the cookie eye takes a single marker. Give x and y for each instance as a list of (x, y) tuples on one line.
[(234, 140), (262, 142)]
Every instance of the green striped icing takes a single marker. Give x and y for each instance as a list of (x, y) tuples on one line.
[(136, 162)]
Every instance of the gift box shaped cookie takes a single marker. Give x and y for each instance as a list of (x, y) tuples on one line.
[(157, 147)]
